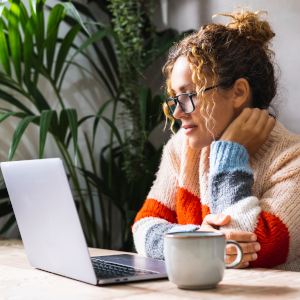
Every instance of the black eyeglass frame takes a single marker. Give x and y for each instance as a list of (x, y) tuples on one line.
[(190, 95)]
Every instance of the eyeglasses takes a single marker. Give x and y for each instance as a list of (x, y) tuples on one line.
[(185, 100)]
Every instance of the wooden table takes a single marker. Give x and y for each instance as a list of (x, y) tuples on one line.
[(19, 281)]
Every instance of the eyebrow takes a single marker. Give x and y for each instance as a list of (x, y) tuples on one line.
[(184, 86)]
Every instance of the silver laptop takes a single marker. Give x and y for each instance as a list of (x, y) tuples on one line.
[(51, 231)]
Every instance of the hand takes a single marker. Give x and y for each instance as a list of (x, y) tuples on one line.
[(250, 129), (247, 240)]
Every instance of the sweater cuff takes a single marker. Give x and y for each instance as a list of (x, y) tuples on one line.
[(228, 157), (183, 228)]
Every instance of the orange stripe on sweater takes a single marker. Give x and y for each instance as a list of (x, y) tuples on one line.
[(274, 239), (155, 209), (189, 209)]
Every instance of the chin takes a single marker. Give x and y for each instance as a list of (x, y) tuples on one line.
[(197, 144)]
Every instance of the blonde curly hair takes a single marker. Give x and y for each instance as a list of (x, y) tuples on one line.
[(240, 49)]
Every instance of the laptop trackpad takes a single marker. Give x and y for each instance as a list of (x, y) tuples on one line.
[(135, 261)]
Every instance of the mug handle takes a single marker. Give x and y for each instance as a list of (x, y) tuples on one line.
[(239, 254)]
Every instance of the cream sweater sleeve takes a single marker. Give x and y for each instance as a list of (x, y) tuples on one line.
[(158, 214)]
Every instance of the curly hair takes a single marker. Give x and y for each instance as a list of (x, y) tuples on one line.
[(239, 49)]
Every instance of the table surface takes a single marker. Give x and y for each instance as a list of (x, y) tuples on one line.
[(19, 281)]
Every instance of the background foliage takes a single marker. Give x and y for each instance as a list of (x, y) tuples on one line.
[(125, 49)]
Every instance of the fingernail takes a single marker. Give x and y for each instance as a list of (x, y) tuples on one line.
[(254, 256), (253, 237), (246, 264), (257, 247)]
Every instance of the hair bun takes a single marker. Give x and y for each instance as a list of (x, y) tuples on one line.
[(250, 25)]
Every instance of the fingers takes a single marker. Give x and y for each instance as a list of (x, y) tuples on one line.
[(253, 119), (262, 120), (216, 219), (269, 125), (245, 260), (247, 248), (239, 236), (245, 115)]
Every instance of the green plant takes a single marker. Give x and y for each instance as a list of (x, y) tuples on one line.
[(111, 182), (24, 43)]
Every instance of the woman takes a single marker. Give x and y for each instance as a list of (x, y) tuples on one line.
[(231, 167)]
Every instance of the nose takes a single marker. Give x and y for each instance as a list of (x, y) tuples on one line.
[(179, 113)]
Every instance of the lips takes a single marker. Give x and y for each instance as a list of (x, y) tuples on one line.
[(188, 128)]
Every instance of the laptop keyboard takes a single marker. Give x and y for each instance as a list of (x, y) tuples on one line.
[(108, 270)]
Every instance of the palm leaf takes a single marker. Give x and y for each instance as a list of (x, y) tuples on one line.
[(63, 125), (23, 16), (28, 52), (64, 50), (10, 99), (33, 5), (71, 8), (21, 127), (2, 6), (52, 32), (95, 37), (73, 121), (97, 119), (4, 55), (14, 37), (45, 122)]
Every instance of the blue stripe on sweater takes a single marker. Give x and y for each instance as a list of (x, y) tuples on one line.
[(228, 157), (230, 177)]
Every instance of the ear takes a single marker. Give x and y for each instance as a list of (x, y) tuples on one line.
[(241, 92)]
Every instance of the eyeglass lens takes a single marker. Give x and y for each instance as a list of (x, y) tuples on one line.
[(186, 104)]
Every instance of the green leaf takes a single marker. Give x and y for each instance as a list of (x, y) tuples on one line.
[(95, 37), (73, 122), (64, 50), (4, 55), (40, 101), (20, 129), (39, 38), (5, 80), (23, 16), (71, 8), (99, 72), (2, 5), (8, 224), (14, 37), (103, 60), (45, 122), (33, 5), (28, 52), (115, 131), (63, 125), (52, 32), (10, 99), (99, 114), (111, 54), (8, 114), (79, 123)]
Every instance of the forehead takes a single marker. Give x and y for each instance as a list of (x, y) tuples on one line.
[(181, 74)]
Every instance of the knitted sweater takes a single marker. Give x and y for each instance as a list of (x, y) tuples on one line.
[(260, 193)]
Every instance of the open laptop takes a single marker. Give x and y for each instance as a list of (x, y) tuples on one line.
[(51, 231)]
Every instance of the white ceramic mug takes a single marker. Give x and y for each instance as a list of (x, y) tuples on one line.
[(196, 260)]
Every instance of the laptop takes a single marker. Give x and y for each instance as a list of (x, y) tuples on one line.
[(51, 231)]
